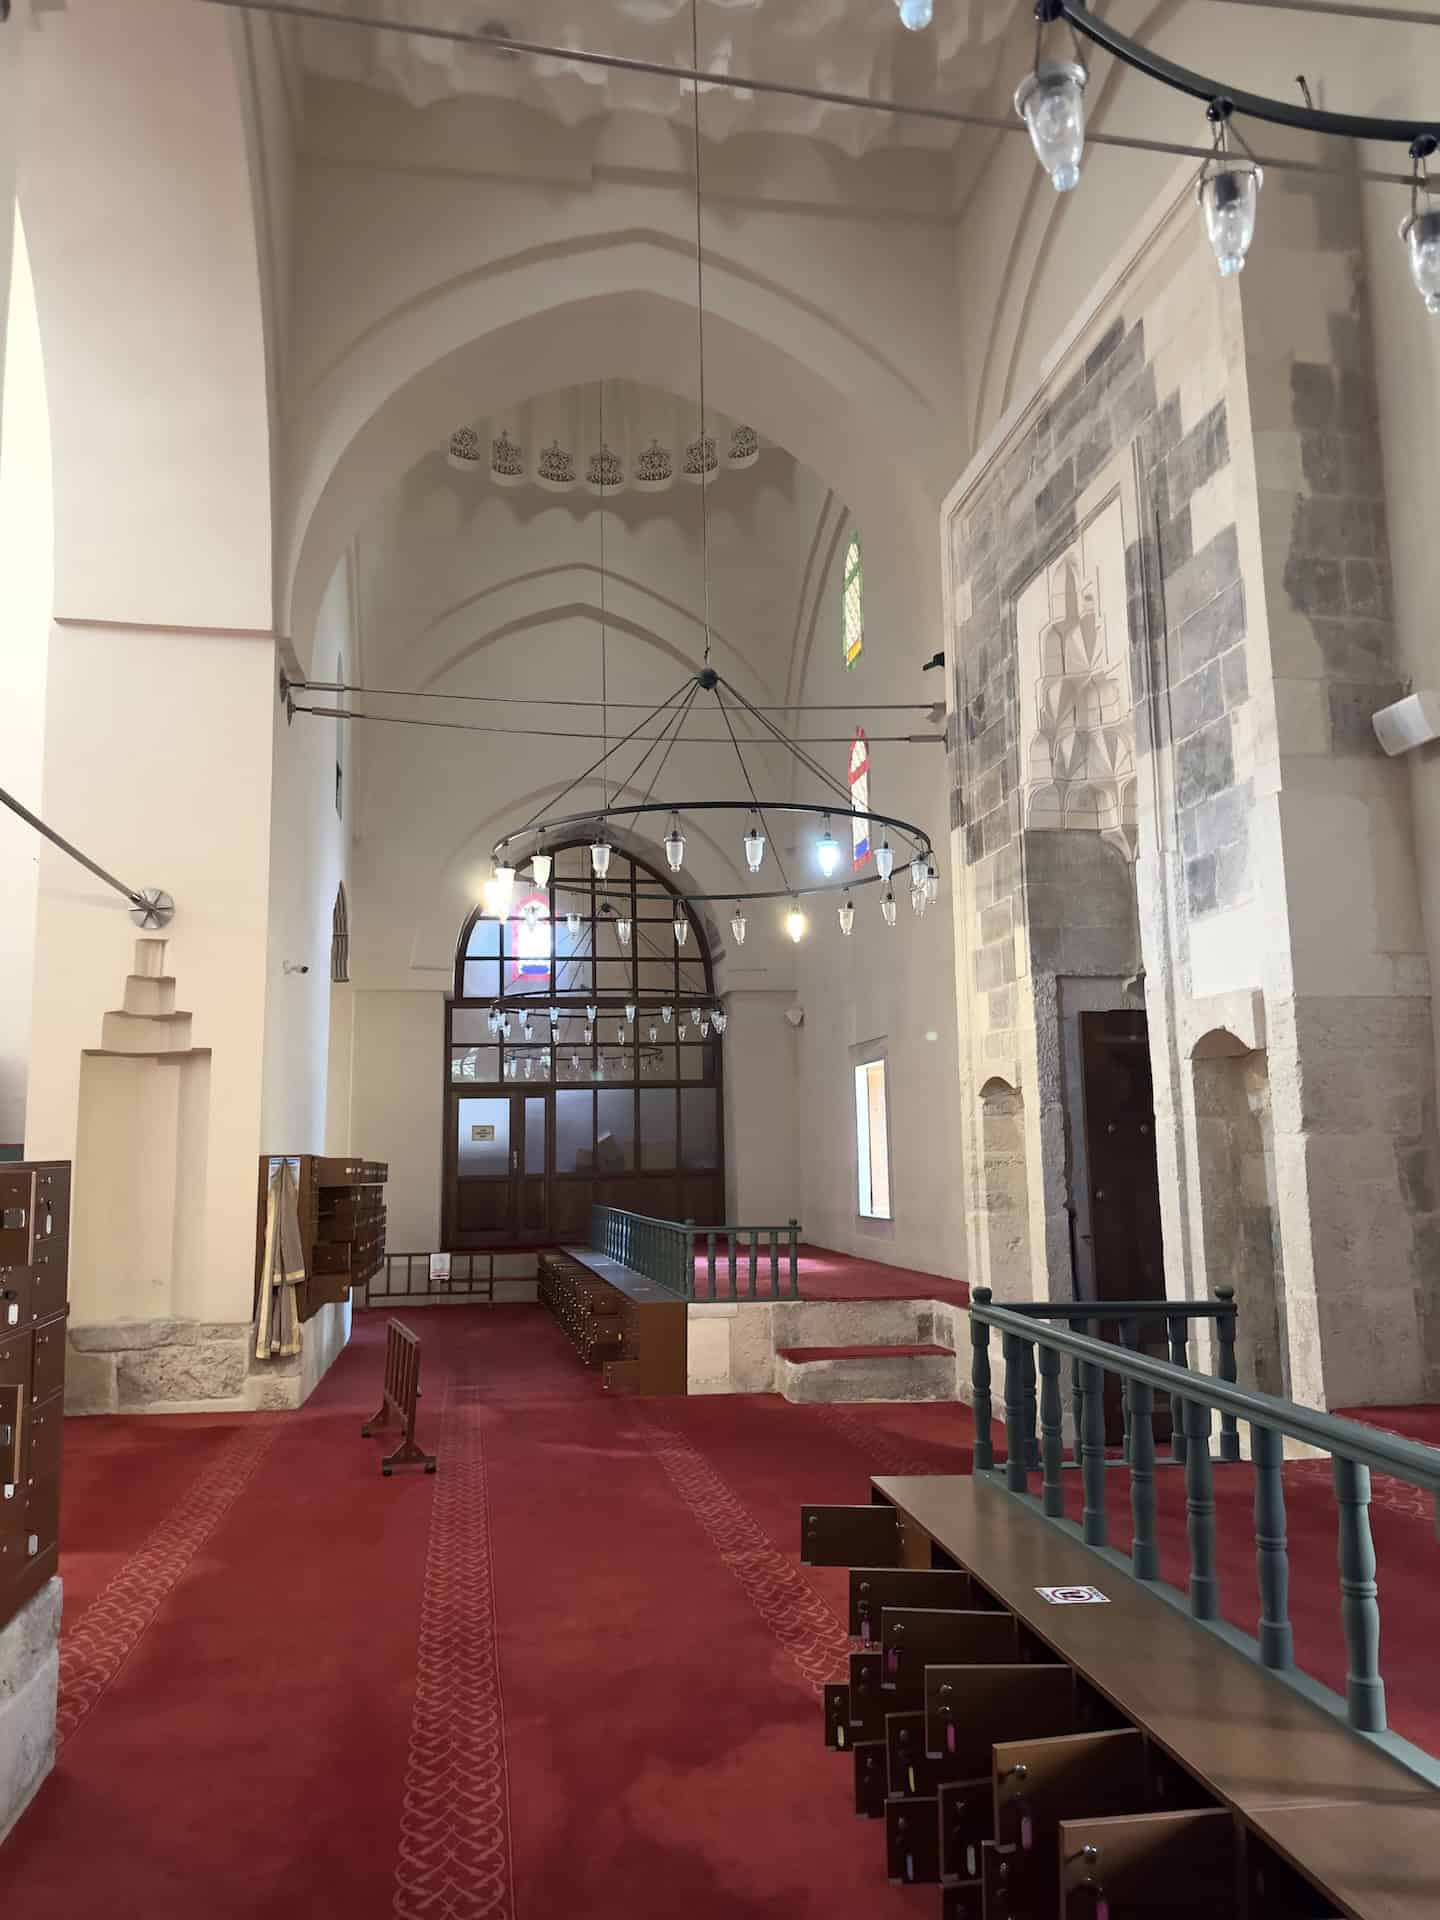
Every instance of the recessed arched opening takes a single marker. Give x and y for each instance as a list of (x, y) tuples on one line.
[(583, 1063)]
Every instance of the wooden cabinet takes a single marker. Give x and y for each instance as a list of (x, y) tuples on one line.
[(34, 1283), (620, 1322), (342, 1224)]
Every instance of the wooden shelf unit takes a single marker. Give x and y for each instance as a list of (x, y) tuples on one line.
[(617, 1320), (34, 1289), (342, 1224)]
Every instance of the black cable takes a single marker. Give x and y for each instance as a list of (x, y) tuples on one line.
[(759, 810)]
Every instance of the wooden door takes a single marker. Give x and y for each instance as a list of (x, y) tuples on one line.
[(497, 1152)]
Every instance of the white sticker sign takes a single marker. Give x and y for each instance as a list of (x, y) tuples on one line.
[(1074, 1596)]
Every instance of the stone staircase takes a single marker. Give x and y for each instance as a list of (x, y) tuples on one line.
[(865, 1350)]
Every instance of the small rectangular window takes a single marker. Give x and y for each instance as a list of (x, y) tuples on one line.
[(872, 1145)]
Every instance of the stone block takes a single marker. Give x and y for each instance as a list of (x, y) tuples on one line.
[(1201, 453), (1197, 700), (1312, 395), (122, 1336), (1200, 894), (1099, 951), (1211, 628), (213, 1370), (1204, 764), (1234, 677), (90, 1382), (1232, 874), (1352, 712), (1315, 584), (29, 1683)]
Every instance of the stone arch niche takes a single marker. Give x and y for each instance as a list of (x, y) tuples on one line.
[(1006, 1189), (1240, 1221)]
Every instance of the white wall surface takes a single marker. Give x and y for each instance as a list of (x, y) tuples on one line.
[(397, 1108), (26, 580)]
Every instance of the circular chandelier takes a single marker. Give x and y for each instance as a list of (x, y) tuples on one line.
[(902, 843), (1051, 102)]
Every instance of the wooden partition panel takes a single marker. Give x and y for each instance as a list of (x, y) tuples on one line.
[(969, 1708), (1180, 1864), (1039, 1783), (870, 1779), (912, 1638), (912, 1841), (872, 1588), (849, 1537), (967, 1821)]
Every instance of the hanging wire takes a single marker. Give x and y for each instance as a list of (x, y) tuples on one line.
[(575, 733), (700, 327), (620, 706), (760, 811), (604, 677)]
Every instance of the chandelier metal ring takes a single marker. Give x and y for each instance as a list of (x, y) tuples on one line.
[(530, 840)]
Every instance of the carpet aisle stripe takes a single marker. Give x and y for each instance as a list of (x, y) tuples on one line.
[(111, 1627), (883, 1453), (815, 1637), (455, 1853)]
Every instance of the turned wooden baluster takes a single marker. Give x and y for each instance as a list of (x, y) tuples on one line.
[(1225, 1334), (1175, 1325), (980, 1385), (1272, 1560), (1092, 1453), (1359, 1605), (1144, 1548), (1017, 1476), (1052, 1438), (1200, 1512)]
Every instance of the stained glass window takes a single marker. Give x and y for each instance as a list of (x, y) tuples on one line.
[(854, 602)]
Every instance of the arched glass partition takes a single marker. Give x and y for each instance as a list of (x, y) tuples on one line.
[(617, 1097)]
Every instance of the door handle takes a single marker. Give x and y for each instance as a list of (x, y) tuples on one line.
[(514, 1160)]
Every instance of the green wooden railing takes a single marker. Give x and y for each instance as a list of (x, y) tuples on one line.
[(1033, 1348), (669, 1253)]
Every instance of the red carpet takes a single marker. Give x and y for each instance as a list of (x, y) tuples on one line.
[(826, 1275), (574, 1672)]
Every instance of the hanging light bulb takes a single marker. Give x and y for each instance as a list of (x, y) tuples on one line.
[(704, 1029), (630, 1011), (667, 1014), (554, 1013), (540, 865), (590, 1013), (884, 860), (620, 1036), (504, 888), (847, 916), (917, 874), (919, 900), (1051, 102), (721, 1019), (590, 1036), (675, 845), (754, 844), (887, 907), (1228, 191), (572, 924), (916, 14), (529, 1066), (600, 851), (795, 922), (492, 1020), (932, 883), (682, 926), (1421, 229), (526, 1028), (622, 930), (654, 1035), (827, 850), (739, 925), (505, 1024)]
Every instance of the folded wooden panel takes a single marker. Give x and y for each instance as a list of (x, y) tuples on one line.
[(912, 1638), (968, 1709), (872, 1588), (1039, 1783), (912, 1841), (849, 1537), (1183, 1865)]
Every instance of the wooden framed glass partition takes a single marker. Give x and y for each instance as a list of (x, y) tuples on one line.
[(619, 1098)]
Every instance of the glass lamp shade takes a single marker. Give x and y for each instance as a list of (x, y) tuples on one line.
[(884, 860), (847, 917), (796, 923), (504, 885), (589, 1035), (505, 1025), (572, 925), (739, 926), (529, 1067), (682, 927), (932, 882), (917, 873), (622, 931), (619, 1036), (704, 1029), (919, 900), (553, 1015), (1051, 102), (1228, 199), (492, 1020), (754, 847), (827, 852), (654, 1035), (590, 1013), (1421, 234), (887, 907), (916, 14), (600, 858), (667, 1014), (721, 1019), (630, 1011), (574, 1063), (540, 865), (675, 845)]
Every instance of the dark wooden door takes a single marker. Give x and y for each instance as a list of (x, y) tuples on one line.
[(1124, 1179), (497, 1165)]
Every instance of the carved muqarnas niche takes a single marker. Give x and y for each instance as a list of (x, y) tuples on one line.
[(1074, 650)]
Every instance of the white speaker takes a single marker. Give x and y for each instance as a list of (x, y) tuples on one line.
[(1411, 722)]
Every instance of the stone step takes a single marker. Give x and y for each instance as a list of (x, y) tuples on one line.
[(892, 1370), (145, 1032), (149, 993), (850, 1323)]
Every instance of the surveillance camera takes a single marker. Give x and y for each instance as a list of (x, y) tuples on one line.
[(289, 966)]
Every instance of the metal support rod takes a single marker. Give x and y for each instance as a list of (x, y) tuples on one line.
[(149, 907), (752, 83)]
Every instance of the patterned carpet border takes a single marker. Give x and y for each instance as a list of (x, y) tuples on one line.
[(883, 1453), (454, 1860), (107, 1633), (815, 1637)]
